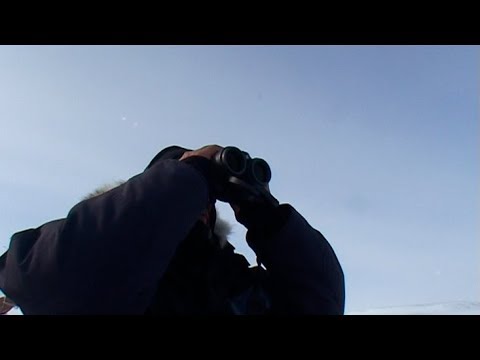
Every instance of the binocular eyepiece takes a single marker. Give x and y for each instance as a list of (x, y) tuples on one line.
[(243, 178), (238, 163)]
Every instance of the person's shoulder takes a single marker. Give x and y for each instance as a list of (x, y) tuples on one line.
[(33, 232), (24, 233)]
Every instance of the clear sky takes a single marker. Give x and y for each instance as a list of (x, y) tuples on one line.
[(376, 146)]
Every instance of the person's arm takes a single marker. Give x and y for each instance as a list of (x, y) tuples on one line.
[(110, 251), (303, 272)]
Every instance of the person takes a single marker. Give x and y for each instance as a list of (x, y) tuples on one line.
[(150, 246)]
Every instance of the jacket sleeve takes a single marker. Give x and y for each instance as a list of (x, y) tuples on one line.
[(110, 251), (304, 275)]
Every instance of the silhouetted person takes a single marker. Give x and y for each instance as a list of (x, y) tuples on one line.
[(154, 245)]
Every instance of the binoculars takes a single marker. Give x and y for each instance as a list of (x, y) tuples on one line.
[(243, 178), (238, 163)]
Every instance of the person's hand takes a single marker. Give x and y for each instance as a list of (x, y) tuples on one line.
[(207, 152), (254, 213), (200, 159)]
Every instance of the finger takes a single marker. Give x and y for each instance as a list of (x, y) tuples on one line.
[(185, 155), (211, 150), (207, 152)]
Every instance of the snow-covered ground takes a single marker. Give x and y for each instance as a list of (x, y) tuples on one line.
[(450, 308), (14, 311)]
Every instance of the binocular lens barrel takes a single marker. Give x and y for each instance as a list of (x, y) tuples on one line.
[(261, 171), (238, 163), (234, 160)]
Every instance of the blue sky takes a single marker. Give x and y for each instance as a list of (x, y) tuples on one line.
[(377, 146)]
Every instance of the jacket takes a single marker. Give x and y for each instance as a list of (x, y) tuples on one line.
[(127, 251)]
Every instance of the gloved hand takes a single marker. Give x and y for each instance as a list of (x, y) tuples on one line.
[(263, 221), (257, 213), (251, 215)]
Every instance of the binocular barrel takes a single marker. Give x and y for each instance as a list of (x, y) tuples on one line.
[(238, 163)]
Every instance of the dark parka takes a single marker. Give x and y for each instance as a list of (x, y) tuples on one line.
[(139, 249)]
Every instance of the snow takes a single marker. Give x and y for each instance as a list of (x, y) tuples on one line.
[(14, 311), (449, 308)]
